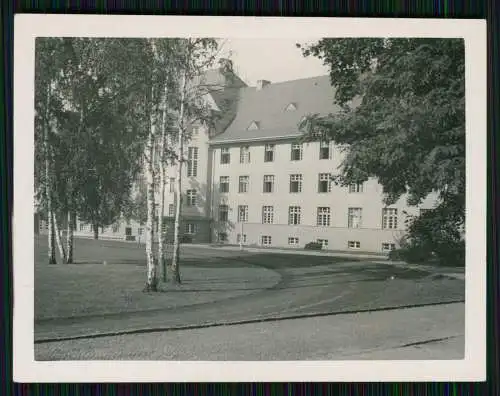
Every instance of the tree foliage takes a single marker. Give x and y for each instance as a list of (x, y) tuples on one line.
[(400, 118)]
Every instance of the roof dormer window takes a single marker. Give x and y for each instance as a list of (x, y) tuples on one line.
[(291, 107), (253, 126)]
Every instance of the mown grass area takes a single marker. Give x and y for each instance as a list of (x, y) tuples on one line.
[(90, 287)]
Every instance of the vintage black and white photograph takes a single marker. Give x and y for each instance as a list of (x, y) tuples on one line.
[(220, 198)]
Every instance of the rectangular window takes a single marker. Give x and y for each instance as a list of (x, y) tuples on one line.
[(295, 183), (139, 231), (354, 217), (195, 131), (191, 197), (241, 240), (223, 213), (268, 183), (171, 210), (356, 187), (293, 241), (296, 152), (82, 226), (353, 244), (225, 156), (424, 211), (294, 215), (243, 184), (242, 213), (389, 218), (192, 163), (324, 183), (267, 215), (171, 184), (323, 218), (265, 240), (323, 242), (387, 247), (325, 151), (269, 153), (224, 184), (190, 228), (245, 155), (116, 227)]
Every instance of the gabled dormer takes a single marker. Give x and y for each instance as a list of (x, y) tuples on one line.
[(254, 125), (291, 107)]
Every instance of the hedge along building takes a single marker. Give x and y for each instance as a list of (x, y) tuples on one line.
[(248, 180)]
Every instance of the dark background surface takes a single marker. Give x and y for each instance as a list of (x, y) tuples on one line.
[(428, 9)]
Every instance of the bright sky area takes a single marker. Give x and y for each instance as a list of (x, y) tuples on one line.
[(275, 60)]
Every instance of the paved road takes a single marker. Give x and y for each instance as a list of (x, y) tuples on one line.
[(434, 332), (305, 287)]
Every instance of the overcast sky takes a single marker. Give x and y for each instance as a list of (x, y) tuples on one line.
[(271, 59)]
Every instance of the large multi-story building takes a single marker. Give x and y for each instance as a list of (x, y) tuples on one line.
[(249, 180)]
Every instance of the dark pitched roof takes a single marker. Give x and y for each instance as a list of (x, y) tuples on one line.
[(224, 88), (268, 108)]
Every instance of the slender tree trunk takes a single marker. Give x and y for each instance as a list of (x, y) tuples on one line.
[(48, 179), (161, 235), (152, 276), (69, 238), (176, 277), (95, 228), (60, 245)]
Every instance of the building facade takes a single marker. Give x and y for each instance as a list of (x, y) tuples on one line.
[(250, 181)]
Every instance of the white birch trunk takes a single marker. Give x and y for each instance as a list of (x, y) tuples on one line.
[(161, 235), (176, 278), (48, 191), (69, 238), (152, 273), (60, 245)]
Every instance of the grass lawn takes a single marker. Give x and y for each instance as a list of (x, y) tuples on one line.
[(89, 287)]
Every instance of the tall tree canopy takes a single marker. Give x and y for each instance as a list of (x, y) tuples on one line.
[(402, 117), (402, 121)]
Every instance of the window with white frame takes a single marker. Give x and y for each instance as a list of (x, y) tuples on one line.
[(323, 218), (268, 184), (192, 162), (356, 187), (223, 213), (265, 240), (225, 156), (191, 197), (325, 151), (353, 244), (324, 183), (82, 226), (387, 247), (139, 231), (294, 215), (195, 130), (171, 210), (190, 228), (224, 184), (293, 241), (267, 214), (116, 227), (269, 152), (242, 213), (296, 152), (172, 184), (245, 155), (239, 239), (354, 217), (389, 218), (243, 184), (295, 183), (323, 242)]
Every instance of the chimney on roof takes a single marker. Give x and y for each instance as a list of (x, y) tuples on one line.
[(262, 83)]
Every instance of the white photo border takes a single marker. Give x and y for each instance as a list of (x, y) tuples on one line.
[(27, 27)]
